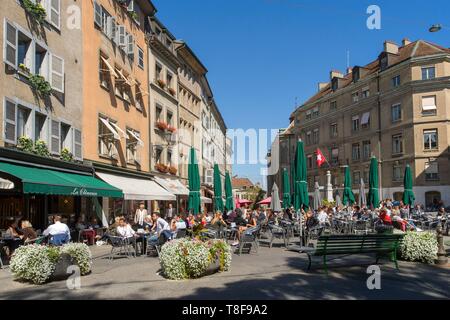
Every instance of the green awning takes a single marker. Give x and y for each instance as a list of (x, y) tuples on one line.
[(45, 181)]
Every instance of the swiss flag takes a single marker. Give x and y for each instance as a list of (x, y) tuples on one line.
[(320, 158)]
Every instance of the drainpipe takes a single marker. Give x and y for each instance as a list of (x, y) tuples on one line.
[(380, 160)]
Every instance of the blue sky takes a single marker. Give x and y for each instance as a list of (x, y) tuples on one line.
[(264, 55)]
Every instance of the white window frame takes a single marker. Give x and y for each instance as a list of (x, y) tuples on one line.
[(53, 72), (141, 61), (11, 122), (77, 143), (6, 43)]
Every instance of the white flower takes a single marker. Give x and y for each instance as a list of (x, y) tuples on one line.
[(419, 246)]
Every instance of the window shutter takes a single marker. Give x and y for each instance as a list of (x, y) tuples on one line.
[(54, 13), (77, 144), (131, 6), (111, 28), (56, 136), (10, 45), (97, 14), (122, 36), (10, 121), (130, 49), (57, 73)]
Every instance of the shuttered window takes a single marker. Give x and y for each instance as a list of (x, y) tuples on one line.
[(55, 138), (57, 73), (10, 121), (10, 44)]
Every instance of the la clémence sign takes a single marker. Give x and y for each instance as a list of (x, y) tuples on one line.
[(83, 192)]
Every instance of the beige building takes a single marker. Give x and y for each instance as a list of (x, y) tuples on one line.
[(163, 77), (395, 108), (189, 134)]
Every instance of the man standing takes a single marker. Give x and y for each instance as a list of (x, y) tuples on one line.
[(140, 215), (169, 213)]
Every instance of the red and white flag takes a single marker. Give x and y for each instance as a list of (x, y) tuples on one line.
[(320, 158)]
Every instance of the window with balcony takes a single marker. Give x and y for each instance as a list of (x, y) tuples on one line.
[(308, 138), (66, 137), (132, 143), (355, 97), (107, 138), (24, 122), (158, 72), (356, 152), (397, 144), (396, 113), (308, 115), (315, 112), (430, 139), (40, 127), (428, 73), (366, 150), (365, 93), (365, 120)]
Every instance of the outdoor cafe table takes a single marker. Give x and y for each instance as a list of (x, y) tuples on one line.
[(144, 236)]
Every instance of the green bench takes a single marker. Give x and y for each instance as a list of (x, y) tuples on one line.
[(354, 244)]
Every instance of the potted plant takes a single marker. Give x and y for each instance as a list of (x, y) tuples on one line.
[(161, 83), (41, 149), (162, 125), (173, 170), (40, 85), (36, 10), (24, 69), (25, 144), (172, 91), (133, 15), (66, 155), (171, 129)]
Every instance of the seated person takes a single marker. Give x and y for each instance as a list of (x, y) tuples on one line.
[(13, 237), (250, 223), (357, 213), (80, 225), (28, 233), (177, 224), (93, 224), (311, 221), (59, 232), (148, 222), (231, 215), (124, 229), (322, 217), (161, 227), (218, 223)]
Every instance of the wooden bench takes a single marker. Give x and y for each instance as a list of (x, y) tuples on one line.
[(354, 244)]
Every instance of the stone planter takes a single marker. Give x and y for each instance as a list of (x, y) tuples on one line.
[(60, 273), (212, 269)]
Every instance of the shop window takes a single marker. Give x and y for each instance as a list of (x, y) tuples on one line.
[(432, 198)]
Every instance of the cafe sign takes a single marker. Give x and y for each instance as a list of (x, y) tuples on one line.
[(83, 192)]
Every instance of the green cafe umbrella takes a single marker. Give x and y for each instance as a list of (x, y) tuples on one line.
[(348, 198), (301, 197), (286, 190), (218, 202), (194, 184), (408, 194), (373, 199), (229, 203)]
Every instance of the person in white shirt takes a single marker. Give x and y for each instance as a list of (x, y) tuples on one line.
[(124, 229), (170, 212), (140, 215), (58, 229), (322, 216)]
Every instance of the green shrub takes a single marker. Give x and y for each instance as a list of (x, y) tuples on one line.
[(66, 155), (419, 246)]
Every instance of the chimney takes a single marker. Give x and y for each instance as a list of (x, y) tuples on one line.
[(335, 74), (406, 41), (322, 85), (390, 47)]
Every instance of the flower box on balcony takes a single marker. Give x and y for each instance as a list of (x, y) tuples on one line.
[(172, 91), (161, 125), (161, 83), (173, 170), (162, 168), (171, 129)]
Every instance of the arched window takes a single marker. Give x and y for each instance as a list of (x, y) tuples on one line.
[(432, 198)]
